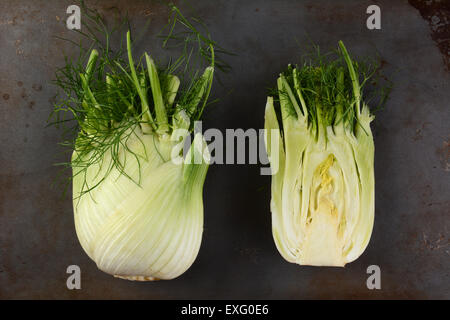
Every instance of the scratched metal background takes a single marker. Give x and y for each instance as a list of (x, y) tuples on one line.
[(238, 259)]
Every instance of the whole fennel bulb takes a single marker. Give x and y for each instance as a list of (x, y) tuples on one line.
[(138, 203), (145, 231)]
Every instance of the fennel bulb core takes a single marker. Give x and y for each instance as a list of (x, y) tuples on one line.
[(323, 239)]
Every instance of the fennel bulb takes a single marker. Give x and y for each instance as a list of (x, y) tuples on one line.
[(322, 201), (146, 231), (138, 204)]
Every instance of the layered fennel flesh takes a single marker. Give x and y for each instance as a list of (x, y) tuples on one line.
[(321, 150)]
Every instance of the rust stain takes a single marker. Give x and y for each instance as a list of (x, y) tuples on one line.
[(17, 44), (148, 12), (444, 155), (437, 13), (37, 87), (440, 242), (23, 94), (327, 13), (428, 231), (143, 8), (6, 96), (411, 238), (418, 136), (419, 132), (423, 192)]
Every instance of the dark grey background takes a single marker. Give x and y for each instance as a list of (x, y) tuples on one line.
[(238, 258)]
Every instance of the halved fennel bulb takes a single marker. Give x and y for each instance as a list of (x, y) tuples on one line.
[(320, 144)]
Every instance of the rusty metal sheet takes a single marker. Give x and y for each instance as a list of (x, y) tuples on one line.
[(238, 258)]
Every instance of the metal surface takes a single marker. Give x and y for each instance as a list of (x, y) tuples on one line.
[(238, 258)]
